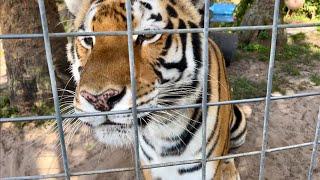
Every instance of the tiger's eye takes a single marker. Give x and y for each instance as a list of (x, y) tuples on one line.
[(144, 37), (149, 36), (80, 69), (88, 41)]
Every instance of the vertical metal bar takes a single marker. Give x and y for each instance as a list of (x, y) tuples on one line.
[(133, 88), (269, 88), (47, 44), (315, 148), (204, 105)]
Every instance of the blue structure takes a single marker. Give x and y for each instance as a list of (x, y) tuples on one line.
[(222, 12)]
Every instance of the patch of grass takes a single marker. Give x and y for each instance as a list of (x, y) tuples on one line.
[(260, 51), (298, 37), (290, 69), (244, 88), (300, 53), (290, 51), (318, 28), (315, 78), (264, 35), (8, 112), (278, 83), (255, 47), (5, 109)]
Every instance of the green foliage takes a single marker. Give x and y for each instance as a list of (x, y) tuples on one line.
[(298, 37), (310, 10), (310, 7), (302, 53), (5, 109), (244, 88), (241, 9), (315, 78), (290, 69), (264, 35), (255, 47)]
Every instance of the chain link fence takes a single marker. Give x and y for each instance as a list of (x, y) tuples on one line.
[(204, 105)]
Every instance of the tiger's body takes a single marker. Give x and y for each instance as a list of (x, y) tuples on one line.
[(168, 69)]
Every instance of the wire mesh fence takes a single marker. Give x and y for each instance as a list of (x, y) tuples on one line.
[(203, 105)]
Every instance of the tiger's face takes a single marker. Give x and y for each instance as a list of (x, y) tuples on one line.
[(163, 64)]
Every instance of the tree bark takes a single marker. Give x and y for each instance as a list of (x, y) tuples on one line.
[(260, 13), (28, 77)]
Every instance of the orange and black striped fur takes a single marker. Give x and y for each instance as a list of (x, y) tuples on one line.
[(168, 71)]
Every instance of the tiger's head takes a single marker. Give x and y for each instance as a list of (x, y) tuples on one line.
[(167, 66)]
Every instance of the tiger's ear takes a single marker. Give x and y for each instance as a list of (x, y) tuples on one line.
[(74, 6)]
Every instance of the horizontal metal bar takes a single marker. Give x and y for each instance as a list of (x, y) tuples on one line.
[(47, 176), (115, 170), (170, 31), (65, 116)]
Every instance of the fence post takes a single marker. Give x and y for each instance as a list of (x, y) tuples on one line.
[(47, 45)]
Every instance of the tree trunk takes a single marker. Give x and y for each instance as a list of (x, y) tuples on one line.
[(260, 13), (28, 77)]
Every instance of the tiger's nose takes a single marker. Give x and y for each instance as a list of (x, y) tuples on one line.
[(104, 101)]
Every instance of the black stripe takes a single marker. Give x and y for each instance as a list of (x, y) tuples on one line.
[(173, 2), (197, 51), (239, 135), (157, 17), (238, 119), (169, 25), (181, 65), (72, 50), (146, 5), (186, 136), (145, 154), (99, 1), (147, 142), (171, 11), (190, 170), (159, 74), (214, 144)]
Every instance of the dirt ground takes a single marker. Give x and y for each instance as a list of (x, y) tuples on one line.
[(34, 150)]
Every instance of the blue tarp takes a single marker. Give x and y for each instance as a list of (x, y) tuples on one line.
[(222, 12)]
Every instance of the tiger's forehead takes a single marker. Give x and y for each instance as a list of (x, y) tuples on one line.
[(92, 9)]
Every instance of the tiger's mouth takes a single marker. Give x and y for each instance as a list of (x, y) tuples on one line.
[(114, 124)]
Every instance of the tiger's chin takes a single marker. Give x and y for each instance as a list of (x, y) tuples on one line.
[(109, 132), (114, 135)]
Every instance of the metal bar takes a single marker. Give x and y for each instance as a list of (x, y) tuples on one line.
[(315, 148), (204, 105), (152, 166), (252, 100), (269, 88), (47, 45), (170, 31), (133, 90)]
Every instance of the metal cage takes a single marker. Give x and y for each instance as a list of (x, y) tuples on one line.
[(137, 168)]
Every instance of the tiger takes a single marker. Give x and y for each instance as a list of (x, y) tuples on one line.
[(168, 72)]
